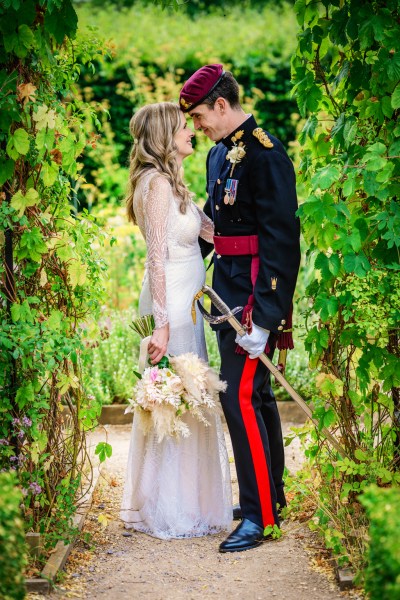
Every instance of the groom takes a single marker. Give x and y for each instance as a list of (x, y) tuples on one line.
[(252, 201)]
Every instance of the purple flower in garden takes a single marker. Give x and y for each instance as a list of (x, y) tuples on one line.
[(4, 442), (13, 458), (21, 434), (26, 422), (35, 488), (16, 422)]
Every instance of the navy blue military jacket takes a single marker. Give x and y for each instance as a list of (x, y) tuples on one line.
[(265, 205)]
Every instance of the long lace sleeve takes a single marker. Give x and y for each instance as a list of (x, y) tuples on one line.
[(207, 226), (156, 208)]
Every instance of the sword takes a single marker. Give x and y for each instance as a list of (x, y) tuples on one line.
[(228, 315)]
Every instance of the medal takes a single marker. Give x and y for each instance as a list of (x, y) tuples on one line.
[(230, 191)]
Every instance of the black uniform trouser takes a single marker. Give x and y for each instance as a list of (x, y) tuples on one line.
[(255, 428)]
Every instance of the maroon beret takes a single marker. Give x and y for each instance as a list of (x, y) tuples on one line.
[(199, 86)]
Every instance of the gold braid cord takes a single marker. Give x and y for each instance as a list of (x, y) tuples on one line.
[(197, 297)]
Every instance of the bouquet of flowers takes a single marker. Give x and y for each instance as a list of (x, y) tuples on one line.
[(175, 386)]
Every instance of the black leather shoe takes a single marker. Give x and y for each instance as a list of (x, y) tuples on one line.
[(237, 512), (247, 535)]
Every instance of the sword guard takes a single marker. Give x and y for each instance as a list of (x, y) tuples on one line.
[(216, 320)]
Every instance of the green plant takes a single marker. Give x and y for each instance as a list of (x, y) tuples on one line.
[(12, 540), (52, 276), (382, 575), (109, 364), (346, 74)]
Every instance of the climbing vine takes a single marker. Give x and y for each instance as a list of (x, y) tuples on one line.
[(346, 75), (50, 274)]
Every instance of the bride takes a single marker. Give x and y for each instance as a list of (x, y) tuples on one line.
[(174, 488)]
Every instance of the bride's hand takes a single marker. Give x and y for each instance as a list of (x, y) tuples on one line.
[(158, 344)]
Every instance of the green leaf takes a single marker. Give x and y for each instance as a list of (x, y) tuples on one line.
[(395, 100), (20, 201), (325, 177), (49, 173), (350, 185), (26, 40), (103, 450), (393, 66), (375, 163), (54, 321), (164, 363), (356, 263), (6, 170), (67, 148), (45, 139), (25, 395), (327, 306), (18, 143), (308, 100), (360, 454), (32, 245), (77, 272), (10, 42), (309, 129), (386, 105)]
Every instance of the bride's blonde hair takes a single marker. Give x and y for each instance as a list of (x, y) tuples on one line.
[(153, 129)]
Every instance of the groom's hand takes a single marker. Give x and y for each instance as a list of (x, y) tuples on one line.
[(158, 343), (254, 342)]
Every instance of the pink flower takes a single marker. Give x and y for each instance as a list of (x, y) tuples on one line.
[(154, 374)]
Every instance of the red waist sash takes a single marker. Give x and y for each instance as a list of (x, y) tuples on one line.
[(240, 246), (236, 245)]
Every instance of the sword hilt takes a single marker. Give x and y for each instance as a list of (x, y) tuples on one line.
[(216, 300), (227, 314)]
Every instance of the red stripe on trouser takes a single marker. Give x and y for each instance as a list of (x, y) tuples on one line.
[(255, 441)]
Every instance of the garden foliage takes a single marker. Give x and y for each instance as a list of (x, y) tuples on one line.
[(51, 276), (382, 576), (346, 74), (154, 52), (12, 540)]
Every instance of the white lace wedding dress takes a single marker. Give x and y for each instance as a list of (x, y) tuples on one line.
[(179, 487)]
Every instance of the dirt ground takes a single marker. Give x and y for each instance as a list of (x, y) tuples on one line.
[(111, 563)]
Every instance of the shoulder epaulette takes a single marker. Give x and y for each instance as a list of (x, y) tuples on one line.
[(262, 137)]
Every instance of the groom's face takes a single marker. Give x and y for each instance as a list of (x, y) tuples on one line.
[(209, 121)]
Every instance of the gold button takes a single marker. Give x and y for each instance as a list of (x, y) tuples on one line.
[(217, 207), (218, 181), (283, 322), (218, 256), (280, 328)]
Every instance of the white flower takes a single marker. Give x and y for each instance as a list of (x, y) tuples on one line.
[(236, 154), (163, 395)]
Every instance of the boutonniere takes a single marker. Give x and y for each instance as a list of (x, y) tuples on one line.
[(238, 151), (236, 154)]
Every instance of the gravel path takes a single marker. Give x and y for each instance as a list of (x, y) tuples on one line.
[(110, 563)]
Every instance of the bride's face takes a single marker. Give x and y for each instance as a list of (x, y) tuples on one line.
[(183, 139)]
